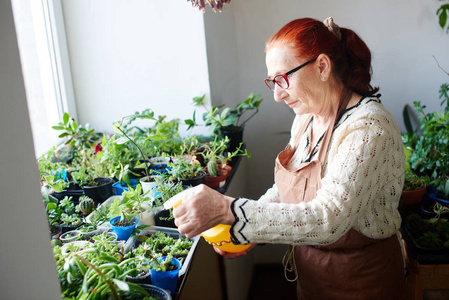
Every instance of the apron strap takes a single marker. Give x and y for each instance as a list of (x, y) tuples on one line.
[(288, 261)]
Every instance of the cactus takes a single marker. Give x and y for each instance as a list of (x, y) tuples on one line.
[(87, 205), (212, 168)]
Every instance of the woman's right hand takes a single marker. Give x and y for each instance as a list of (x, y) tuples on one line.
[(234, 255)]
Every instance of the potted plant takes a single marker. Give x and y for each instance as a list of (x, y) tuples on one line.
[(165, 190), (77, 137), (227, 122), (97, 188), (96, 220), (165, 272), (185, 169), (414, 188), (62, 213), (216, 158), (124, 212), (428, 146)]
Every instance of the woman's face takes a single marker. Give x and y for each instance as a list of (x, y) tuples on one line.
[(302, 95)]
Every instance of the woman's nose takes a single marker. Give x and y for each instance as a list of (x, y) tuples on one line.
[(279, 93)]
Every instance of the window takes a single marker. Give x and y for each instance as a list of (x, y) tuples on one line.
[(45, 67)]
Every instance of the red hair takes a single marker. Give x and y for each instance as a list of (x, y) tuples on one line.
[(350, 56)]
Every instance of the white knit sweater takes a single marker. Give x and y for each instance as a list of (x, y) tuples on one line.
[(362, 182)]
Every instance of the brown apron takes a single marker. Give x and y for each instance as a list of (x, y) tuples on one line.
[(355, 266)]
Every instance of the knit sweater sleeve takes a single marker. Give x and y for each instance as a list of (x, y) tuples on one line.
[(360, 189)]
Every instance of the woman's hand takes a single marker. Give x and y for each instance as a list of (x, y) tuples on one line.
[(201, 208), (234, 255)]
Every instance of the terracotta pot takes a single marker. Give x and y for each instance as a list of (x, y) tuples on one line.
[(413, 197), (228, 169), (217, 181)]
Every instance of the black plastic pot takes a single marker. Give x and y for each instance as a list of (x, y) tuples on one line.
[(160, 219), (101, 192), (194, 181), (143, 279), (235, 138), (72, 191)]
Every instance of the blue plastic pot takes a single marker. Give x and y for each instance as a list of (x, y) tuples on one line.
[(118, 189), (123, 233), (167, 280)]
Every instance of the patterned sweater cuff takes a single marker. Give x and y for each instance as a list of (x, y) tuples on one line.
[(237, 208)]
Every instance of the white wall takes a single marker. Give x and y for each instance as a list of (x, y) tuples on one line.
[(127, 56), (27, 266)]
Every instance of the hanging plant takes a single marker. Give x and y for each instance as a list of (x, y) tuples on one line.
[(216, 5)]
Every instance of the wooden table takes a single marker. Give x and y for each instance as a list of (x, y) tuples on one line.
[(422, 277)]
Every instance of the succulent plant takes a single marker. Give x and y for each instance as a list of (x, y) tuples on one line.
[(212, 167), (87, 205)]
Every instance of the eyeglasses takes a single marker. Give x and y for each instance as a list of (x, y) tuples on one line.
[(282, 79)]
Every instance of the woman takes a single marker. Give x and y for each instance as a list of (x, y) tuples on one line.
[(338, 181)]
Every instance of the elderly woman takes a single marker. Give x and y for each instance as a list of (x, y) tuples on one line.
[(338, 181)]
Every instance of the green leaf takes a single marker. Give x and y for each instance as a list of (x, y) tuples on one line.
[(58, 127), (74, 126), (443, 19), (197, 101), (118, 129), (121, 284), (65, 118), (122, 140), (63, 134)]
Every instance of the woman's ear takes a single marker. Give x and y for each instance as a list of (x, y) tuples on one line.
[(324, 66)]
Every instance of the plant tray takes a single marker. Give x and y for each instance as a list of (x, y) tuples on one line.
[(425, 256), (172, 232)]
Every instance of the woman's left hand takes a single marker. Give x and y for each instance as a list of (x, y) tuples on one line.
[(201, 208), (235, 254)]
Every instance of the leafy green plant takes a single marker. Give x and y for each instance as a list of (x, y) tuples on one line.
[(132, 204), (430, 233), (414, 182), (184, 167), (429, 151), (163, 244), (442, 187), (215, 154), (77, 136), (165, 190), (61, 212), (94, 273), (221, 117)]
